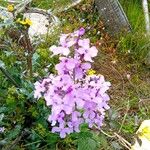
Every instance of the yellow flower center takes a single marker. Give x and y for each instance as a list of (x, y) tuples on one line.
[(91, 72), (146, 132), (10, 7)]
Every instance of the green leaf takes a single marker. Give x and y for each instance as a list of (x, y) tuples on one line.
[(35, 58), (3, 109), (87, 144), (14, 133), (103, 141), (116, 145), (8, 23), (85, 134), (1, 117), (2, 65)]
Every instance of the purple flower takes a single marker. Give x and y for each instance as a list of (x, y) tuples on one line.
[(81, 70), (79, 32), (86, 50), (73, 96), (74, 125), (2, 129), (66, 40), (75, 116), (39, 89), (66, 65), (62, 130)]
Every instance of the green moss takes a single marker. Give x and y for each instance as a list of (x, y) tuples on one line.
[(50, 4), (135, 44), (134, 12), (3, 3)]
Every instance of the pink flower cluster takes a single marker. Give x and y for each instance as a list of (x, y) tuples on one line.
[(73, 96)]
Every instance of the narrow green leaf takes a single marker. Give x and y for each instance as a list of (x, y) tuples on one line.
[(87, 144)]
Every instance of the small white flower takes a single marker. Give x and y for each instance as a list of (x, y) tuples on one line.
[(113, 61), (98, 32), (2, 129), (128, 76), (129, 51)]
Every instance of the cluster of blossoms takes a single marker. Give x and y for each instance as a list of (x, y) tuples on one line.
[(75, 95)]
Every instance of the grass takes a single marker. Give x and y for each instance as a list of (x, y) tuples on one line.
[(136, 42), (54, 5), (136, 45), (51, 4), (3, 3), (134, 12)]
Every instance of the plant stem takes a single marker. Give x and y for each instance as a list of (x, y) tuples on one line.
[(29, 49), (29, 65)]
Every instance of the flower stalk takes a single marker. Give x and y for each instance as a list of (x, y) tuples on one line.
[(74, 96)]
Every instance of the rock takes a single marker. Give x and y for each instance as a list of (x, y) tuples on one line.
[(41, 23)]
